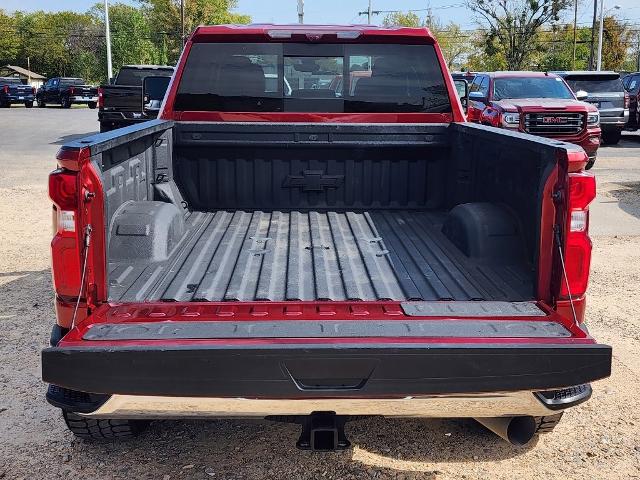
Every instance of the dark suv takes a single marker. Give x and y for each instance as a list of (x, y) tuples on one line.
[(632, 84), (605, 91)]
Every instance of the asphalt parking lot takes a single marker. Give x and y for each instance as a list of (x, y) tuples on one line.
[(598, 440)]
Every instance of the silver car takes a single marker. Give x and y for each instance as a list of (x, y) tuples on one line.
[(606, 92)]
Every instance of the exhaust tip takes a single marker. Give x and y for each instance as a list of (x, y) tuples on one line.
[(516, 430), (521, 430)]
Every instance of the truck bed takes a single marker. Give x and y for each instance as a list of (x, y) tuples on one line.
[(316, 255)]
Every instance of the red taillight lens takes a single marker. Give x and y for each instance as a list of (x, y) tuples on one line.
[(63, 189), (33, 90), (65, 246), (627, 101), (577, 252), (6, 89), (72, 90), (100, 98)]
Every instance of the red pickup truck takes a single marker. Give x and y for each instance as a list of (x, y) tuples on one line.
[(311, 255), (537, 103)]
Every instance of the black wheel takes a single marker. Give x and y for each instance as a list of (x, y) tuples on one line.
[(105, 128), (65, 102), (92, 105), (5, 105), (611, 138), (548, 423), (40, 103), (102, 429), (590, 163), (28, 104)]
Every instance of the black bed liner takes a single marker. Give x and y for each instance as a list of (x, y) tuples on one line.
[(311, 255)]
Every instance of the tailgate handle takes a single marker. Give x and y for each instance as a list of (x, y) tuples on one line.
[(325, 374), (330, 383)]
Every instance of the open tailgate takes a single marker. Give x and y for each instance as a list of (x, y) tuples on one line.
[(330, 349)]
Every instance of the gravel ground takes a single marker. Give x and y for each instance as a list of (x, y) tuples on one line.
[(599, 440)]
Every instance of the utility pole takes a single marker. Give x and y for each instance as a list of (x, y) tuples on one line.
[(182, 21), (369, 13), (300, 11), (107, 35), (575, 28), (600, 35), (593, 35)]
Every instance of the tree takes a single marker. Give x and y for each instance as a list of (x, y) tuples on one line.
[(454, 44), (615, 38), (48, 39), (513, 25), (9, 44), (197, 12), (401, 19), (557, 51), (132, 39)]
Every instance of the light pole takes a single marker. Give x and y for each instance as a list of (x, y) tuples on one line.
[(107, 35), (369, 13), (575, 28), (182, 20), (602, 12), (300, 11)]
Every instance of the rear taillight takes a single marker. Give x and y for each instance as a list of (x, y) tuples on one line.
[(627, 101), (100, 98), (6, 89), (65, 246), (577, 251), (33, 90), (63, 191)]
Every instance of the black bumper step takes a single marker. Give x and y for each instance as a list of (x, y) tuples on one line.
[(323, 370)]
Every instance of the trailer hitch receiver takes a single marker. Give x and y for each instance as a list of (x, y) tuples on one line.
[(323, 432)]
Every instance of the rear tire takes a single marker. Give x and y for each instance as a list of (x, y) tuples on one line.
[(28, 104), (611, 138), (92, 105), (65, 102), (548, 423), (102, 429), (5, 105), (40, 103)]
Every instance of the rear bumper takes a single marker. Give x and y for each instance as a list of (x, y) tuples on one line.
[(17, 98), (121, 119), (313, 371), (437, 406), (84, 99), (617, 122)]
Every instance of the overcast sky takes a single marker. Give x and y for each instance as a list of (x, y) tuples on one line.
[(341, 11)]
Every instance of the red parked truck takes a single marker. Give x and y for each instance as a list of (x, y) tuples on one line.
[(537, 103), (311, 255)]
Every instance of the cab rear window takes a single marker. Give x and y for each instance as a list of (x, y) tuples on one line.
[(312, 78), (595, 83)]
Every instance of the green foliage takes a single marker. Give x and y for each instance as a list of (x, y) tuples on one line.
[(616, 37), (8, 44), (196, 12), (73, 44), (558, 49), (401, 19), (513, 25)]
